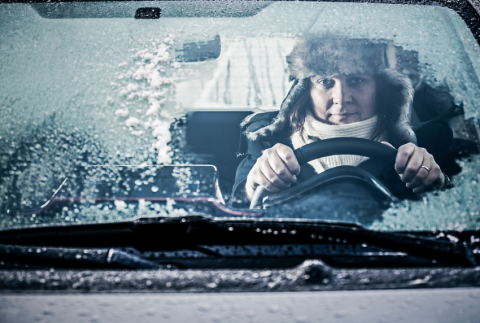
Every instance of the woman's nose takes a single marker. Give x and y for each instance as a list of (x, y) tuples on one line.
[(341, 94)]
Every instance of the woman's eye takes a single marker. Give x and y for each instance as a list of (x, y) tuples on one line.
[(356, 80), (328, 83)]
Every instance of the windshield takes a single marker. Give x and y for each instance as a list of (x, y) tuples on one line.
[(113, 110)]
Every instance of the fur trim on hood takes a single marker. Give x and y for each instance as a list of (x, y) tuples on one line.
[(327, 56)]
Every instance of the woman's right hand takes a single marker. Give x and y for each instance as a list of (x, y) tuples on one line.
[(275, 170)]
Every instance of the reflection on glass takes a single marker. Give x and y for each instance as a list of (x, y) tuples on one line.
[(87, 84)]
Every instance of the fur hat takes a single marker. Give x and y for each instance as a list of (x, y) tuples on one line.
[(328, 56)]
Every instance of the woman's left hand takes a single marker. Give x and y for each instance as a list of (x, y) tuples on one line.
[(417, 168)]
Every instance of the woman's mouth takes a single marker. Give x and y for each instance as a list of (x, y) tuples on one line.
[(342, 115), (343, 118)]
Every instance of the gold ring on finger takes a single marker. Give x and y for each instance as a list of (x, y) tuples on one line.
[(428, 169)]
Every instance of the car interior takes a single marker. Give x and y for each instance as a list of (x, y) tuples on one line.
[(212, 137)]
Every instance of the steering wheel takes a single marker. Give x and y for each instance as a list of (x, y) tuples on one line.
[(335, 146)]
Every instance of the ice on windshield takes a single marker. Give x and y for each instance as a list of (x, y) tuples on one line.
[(114, 90)]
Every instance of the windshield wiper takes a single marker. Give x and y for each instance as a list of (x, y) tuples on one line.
[(189, 232), (76, 257)]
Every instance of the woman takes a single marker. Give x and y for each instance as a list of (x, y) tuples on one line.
[(342, 88)]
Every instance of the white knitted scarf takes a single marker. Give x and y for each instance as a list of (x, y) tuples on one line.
[(314, 130)]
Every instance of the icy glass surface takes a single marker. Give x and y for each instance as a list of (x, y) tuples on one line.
[(87, 84), (455, 209)]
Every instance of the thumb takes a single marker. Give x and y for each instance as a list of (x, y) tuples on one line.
[(387, 143)]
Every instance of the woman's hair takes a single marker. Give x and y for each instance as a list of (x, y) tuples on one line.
[(299, 109), (389, 100)]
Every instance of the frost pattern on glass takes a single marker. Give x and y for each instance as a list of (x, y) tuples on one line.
[(457, 208), (146, 80), (104, 91), (448, 53), (182, 176)]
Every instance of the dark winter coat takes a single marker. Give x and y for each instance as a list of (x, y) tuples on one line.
[(435, 136)]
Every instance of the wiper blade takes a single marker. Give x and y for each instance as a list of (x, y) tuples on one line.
[(424, 247), (192, 231), (414, 245), (75, 257)]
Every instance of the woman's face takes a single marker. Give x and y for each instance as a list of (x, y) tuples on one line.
[(343, 99)]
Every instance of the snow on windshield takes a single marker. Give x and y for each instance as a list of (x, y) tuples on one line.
[(146, 81), (79, 91)]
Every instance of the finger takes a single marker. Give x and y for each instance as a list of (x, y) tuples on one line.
[(387, 143), (435, 175), (279, 167), (440, 182), (288, 157), (271, 176), (403, 155), (263, 181), (422, 173), (419, 179), (413, 164)]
